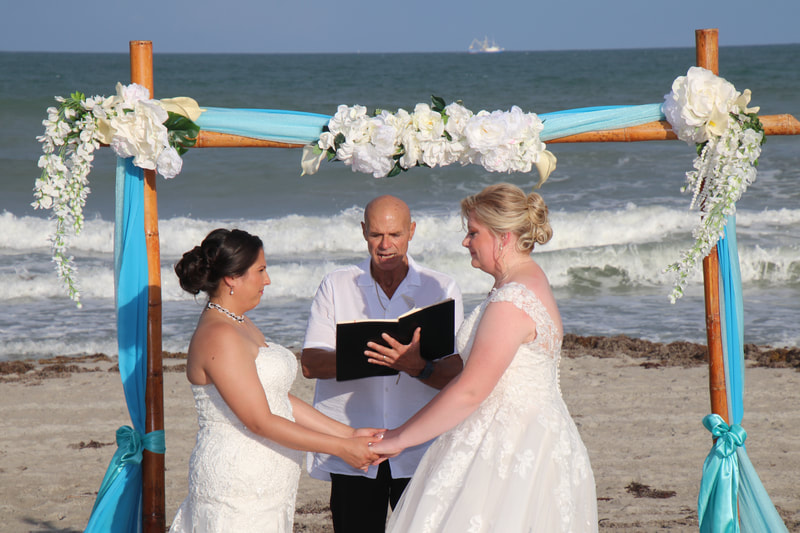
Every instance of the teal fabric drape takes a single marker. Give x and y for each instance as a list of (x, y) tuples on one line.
[(732, 319), (728, 474), (295, 127), (573, 121), (118, 507), (304, 128)]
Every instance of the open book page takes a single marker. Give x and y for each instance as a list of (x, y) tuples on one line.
[(437, 340)]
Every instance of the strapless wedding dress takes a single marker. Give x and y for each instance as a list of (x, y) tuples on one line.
[(239, 481)]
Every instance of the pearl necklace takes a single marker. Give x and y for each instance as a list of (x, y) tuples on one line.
[(237, 318)]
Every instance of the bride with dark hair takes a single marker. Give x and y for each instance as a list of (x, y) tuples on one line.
[(245, 466)]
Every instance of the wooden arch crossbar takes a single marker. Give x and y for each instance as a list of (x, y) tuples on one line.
[(141, 58)]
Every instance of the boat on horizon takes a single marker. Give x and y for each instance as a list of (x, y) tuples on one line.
[(484, 47)]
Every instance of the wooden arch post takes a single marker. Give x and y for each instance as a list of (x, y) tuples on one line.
[(153, 496), (707, 45)]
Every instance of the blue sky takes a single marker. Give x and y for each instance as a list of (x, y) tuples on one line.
[(270, 26)]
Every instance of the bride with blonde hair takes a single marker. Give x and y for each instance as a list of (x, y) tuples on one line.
[(508, 456)]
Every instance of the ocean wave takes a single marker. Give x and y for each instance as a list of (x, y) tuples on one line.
[(588, 269), (590, 250), (309, 235)]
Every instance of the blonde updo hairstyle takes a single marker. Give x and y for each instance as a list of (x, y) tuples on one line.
[(505, 208)]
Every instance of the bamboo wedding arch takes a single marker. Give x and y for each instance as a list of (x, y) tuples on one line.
[(141, 60)]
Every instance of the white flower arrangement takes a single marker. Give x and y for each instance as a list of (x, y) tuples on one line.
[(132, 124), (706, 110), (386, 144), (702, 108)]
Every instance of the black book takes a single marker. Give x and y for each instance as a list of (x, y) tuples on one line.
[(436, 338)]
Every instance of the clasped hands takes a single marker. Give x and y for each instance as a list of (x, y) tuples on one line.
[(381, 444)]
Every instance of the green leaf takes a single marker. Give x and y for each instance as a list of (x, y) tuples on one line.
[(396, 169), (699, 147), (183, 132), (438, 103), (339, 139)]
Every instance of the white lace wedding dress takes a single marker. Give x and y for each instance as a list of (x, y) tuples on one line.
[(517, 464), (239, 481)]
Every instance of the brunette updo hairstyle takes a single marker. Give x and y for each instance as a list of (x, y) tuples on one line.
[(505, 208), (223, 253)]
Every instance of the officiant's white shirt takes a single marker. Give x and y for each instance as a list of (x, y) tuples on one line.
[(350, 293)]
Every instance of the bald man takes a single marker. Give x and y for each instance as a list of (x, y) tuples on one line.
[(386, 285)]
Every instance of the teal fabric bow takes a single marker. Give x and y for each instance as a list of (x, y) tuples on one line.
[(131, 444), (130, 447), (717, 502)]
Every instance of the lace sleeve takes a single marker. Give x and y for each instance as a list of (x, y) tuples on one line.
[(526, 300)]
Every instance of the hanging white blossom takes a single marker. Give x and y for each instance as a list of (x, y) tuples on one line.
[(131, 123), (706, 110)]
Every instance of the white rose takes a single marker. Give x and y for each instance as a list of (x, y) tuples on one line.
[(378, 143), (434, 153), (367, 159), (412, 150), (359, 130), (429, 123), (699, 105), (456, 151), (384, 134), (169, 163), (403, 123), (485, 131), (344, 152), (141, 134), (130, 94), (457, 118), (345, 116), (498, 160)]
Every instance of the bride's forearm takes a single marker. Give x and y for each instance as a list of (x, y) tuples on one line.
[(308, 417), (449, 408)]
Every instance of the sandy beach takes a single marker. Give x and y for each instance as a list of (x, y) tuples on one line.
[(638, 406)]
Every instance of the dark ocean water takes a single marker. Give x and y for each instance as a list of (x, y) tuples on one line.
[(617, 211)]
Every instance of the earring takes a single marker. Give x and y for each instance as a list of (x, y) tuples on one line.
[(231, 291)]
